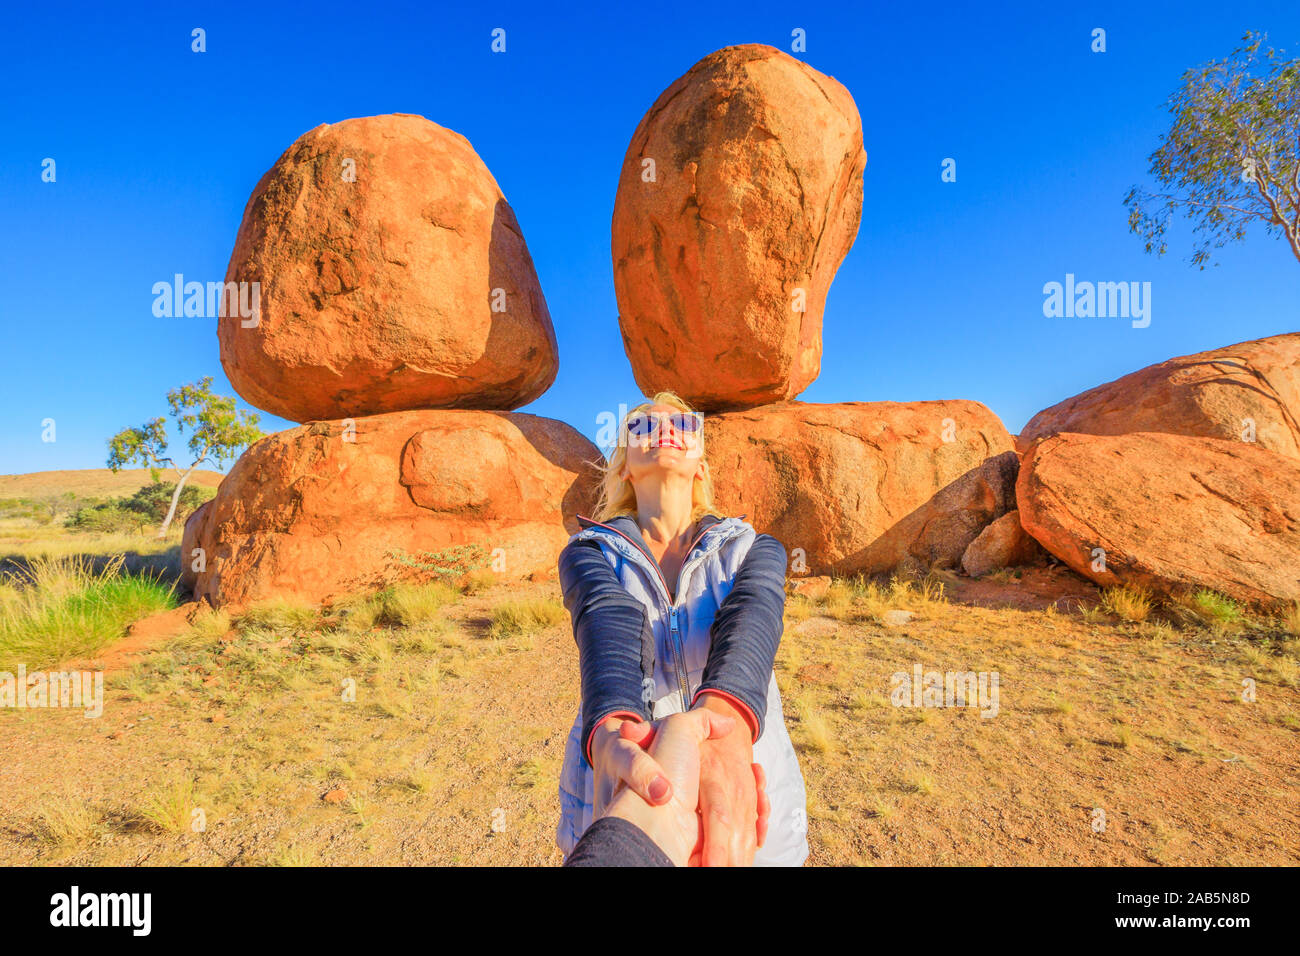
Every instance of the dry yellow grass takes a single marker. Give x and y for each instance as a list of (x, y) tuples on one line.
[(23, 539), (169, 807), (93, 482), (1289, 619), (279, 616), (1127, 603), (524, 618), (401, 605), (440, 742), (479, 579), (66, 821)]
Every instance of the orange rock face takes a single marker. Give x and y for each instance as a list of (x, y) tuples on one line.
[(318, 512), (864, 486), (410, 287), (1003, 544), (1223, 393), (740, 195), (1168, 512), (195, 530)]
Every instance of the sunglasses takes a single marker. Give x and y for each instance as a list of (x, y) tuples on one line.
[(647, 423)]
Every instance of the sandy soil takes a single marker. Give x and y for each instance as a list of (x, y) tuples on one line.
[(451, 751)]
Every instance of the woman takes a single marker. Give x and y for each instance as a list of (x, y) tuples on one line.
[(677, 607)]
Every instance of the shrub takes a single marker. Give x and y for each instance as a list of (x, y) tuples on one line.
[(155, 500), (446, 565), (141, 511), (109, 518)]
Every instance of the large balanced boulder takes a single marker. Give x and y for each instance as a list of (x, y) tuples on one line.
[(340, 507), (393, 275), (740, 195), (1228, 393), (1167, 512), (864, 486)]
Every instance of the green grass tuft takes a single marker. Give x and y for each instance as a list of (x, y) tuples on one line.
[(58, 608)]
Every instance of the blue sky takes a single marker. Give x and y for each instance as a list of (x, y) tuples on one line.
[(157, 149)]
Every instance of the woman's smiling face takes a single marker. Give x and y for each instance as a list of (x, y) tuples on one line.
[(662, 450)]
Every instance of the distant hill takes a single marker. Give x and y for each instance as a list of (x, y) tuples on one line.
[(92, 482)]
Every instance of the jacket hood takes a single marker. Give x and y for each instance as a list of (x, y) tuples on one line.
[(626, 526)]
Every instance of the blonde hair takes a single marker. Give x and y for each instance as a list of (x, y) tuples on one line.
[(618, 497)]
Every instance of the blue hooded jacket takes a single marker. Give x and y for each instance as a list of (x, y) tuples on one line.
[(744, 638), (645, 651)]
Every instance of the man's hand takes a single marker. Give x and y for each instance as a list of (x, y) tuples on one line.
[(734, 808), (618, 762), (675, 743)]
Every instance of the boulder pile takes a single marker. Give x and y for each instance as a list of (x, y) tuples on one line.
[(740, 195), (401, 318)]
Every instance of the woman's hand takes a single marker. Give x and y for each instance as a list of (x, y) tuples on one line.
[(619, 762), (734, 807)]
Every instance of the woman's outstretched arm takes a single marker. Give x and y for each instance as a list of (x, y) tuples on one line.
[(744, 638), (613, 634), (615, 649), (746, 633)]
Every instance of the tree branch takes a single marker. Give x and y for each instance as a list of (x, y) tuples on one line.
[(1292, 236), (1212, 205)]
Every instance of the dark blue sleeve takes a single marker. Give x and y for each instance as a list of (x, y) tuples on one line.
[(747, 629), (613, 633), (613, 841)]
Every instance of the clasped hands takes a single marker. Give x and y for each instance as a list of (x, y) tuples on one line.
[(688, 781)]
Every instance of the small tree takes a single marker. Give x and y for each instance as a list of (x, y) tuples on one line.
[(217, 432), (1232, 157), (55, 503)]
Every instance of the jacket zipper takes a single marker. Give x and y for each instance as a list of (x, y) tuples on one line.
[(679, 650)]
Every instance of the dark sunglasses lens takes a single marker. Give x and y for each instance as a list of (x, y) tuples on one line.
[(686, 423), (638, 425)]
